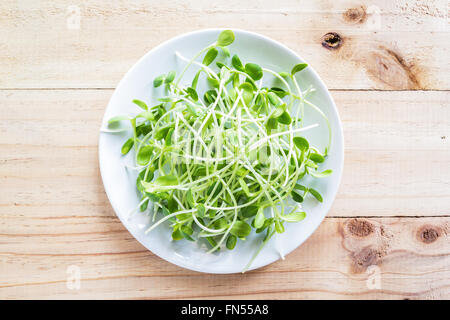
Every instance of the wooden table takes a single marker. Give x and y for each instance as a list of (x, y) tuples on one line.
[(387, 66)]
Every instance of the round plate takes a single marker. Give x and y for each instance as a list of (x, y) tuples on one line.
[(120, 182)]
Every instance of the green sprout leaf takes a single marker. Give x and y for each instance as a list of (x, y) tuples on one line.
[(279, 92), (147, 115), (117, 119), (279, 110), (226, 51), (279, 228), (301, 143), (323, 174), (170, 77), (254, 71), (285, 118), (192, 93), (190, 199), (272, 124), (316, 194), (210, 96), (141, 104), (162, 132), (195, 80), (244, 187), (213, 82), (144, 206), (158, 81), (144, 154), (168, 180), (294, 217), (249, 211), (187, 230), (241, 229), (231, 242), (299, 67), (247, 92), (210, 56), (260, 218), (236, 63), (201, 210), (177, 235), (296, 197), (317, 158), (273, 98), (220, 65), (168, 138), (226, 38), (127, 146), (300, 187)]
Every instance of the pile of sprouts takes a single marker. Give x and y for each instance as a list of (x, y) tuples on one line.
[(217, 164)]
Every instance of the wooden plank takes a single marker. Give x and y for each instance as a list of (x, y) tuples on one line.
[(396, 160), (388, 45), (345, 258), (397, 154)]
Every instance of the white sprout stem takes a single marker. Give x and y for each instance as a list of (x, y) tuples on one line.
[(264, 133), (234, 218), (205, 228), (131, 212), (191, 61), (168, 217), (260, 142), (207, 69), (277, 243)]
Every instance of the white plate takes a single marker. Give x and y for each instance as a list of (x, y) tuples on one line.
[(120, 184)]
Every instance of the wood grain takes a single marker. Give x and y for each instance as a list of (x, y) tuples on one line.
[(386, 45), (387, 66), (336, 262), (395, 159)]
